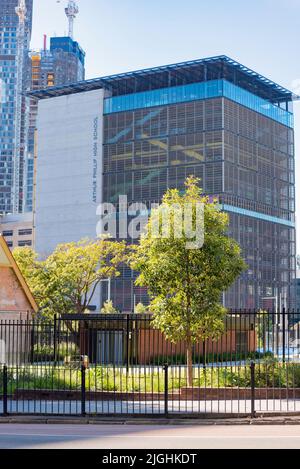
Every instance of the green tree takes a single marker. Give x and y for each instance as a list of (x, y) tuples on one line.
[(67, 280), (185, 281), (32, 270)]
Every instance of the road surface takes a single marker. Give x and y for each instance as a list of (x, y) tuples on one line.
[(30, 436)]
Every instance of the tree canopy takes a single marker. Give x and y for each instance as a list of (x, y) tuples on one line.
[(185, 280), (66, 281)]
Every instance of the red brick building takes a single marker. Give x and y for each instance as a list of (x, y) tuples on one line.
[(16, 299)]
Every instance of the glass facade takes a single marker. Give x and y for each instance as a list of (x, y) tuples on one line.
[(8, 74), (297, 286), (148, 150), (197, 91), (260, 216), (259, 187), (241, 155)]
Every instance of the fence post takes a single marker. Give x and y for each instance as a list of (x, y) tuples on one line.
[(54, 339), (83, 390), (5, 390), (127, 343), (283, 334), (252, 374), (32, 343), (166, 370)]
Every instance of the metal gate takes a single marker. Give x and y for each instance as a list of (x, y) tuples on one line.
[(110, 347)]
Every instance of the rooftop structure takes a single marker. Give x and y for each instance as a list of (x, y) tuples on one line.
[(194, 71)]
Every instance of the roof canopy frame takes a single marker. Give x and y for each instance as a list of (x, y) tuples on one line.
[(127, 83)]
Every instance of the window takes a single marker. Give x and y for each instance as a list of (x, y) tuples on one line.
[(25, 243), (7, 233), (25, 232)]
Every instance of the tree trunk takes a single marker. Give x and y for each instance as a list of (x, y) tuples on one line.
[(73, 327), (79, 308), (189, 361)]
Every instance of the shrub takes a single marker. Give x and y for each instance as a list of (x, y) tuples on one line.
[(141, 309), (180, 359), (45, 352), (108, 308)]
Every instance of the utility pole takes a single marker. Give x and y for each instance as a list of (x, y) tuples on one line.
[(72, 11)]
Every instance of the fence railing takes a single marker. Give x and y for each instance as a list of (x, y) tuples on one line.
[(241, 390), (120, 364), (131, 340)]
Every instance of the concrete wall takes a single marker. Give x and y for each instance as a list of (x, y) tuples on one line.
[(152, 344), (15, 223), (15, 337), (69, 169)]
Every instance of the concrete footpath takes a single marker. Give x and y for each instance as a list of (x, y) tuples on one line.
[(259, 420)]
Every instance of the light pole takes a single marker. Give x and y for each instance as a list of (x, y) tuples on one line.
[(108, 280)]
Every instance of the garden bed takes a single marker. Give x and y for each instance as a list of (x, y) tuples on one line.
[(204, 394)]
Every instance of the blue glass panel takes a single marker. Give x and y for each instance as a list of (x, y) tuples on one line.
[(260, 216), (197, 91), (243, 97), (175, 94)]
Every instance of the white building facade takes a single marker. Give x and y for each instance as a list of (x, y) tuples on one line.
[(69, 169)]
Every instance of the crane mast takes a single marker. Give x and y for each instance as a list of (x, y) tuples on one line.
[(71, 11)]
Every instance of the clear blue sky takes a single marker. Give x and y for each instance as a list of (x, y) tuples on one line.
[(122, 35)]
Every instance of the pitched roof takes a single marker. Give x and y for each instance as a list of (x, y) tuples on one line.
[(7, 260)]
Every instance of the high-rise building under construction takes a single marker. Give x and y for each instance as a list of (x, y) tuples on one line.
[(20, 70), (15, 32), (61, 64)]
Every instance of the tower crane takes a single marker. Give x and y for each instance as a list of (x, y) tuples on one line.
[(71, 11)]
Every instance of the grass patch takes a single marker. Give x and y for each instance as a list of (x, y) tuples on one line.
[(180, 359)]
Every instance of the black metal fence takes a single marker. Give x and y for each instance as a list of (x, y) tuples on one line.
[(119, 364)]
